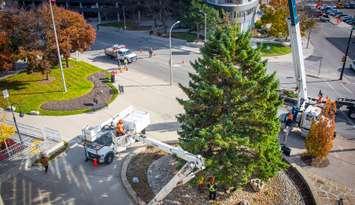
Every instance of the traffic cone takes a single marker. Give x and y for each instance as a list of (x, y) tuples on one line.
[(94, 162)]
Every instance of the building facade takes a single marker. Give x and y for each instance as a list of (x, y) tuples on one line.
[(98, 10), (241, 11)]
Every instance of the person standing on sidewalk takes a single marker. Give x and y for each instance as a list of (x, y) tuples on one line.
[(150, 52), (44, 162)]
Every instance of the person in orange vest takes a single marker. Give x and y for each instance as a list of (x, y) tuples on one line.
[(120, 128)]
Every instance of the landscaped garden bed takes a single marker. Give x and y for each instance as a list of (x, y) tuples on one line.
[(154, 169), (31, 92)]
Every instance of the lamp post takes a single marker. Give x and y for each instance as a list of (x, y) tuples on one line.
[(205, 15), (57, 43), (346, 53), (171, 54), (6, 96)]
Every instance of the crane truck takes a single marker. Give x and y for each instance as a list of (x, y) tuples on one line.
[(101, 143), (308, 108)]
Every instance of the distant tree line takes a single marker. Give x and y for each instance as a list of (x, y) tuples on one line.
[(28, 35)]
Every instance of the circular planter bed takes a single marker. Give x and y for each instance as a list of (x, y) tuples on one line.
[(154, 169), (98, 97)]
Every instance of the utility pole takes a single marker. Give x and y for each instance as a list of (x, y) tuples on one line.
[(346, 54), (58, 50), (171, 54)]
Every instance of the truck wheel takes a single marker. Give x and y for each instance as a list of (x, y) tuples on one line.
[(109, 158)]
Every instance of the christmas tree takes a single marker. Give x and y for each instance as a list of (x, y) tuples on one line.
[(231, 112)]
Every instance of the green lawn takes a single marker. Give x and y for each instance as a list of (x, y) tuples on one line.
[(189, 37), (273, 49), (30, 91)]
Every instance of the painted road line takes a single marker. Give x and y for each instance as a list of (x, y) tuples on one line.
[(345, 88), (331, 86)]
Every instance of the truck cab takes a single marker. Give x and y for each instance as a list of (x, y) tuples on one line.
[(102, 148)]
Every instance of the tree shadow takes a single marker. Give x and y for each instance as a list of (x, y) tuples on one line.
[(13, 85)]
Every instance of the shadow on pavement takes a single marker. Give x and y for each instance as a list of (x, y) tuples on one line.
[(70, 180), (341, 43), (347, 71)]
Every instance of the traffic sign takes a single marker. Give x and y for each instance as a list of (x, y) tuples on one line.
[(5, 93)]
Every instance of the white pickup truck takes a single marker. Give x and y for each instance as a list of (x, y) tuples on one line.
[(121, 52), (102, 143)]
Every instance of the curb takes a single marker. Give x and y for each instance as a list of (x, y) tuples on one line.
[(124, 179), (308, 184)]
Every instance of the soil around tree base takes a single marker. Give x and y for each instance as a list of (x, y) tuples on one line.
[(279, 190), (98, 97)]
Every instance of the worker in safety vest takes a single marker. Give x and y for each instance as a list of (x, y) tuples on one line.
[(120, 128), (212, 190)]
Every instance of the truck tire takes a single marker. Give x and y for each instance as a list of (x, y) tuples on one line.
[(109, 158)]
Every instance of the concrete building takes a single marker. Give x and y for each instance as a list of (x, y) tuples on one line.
[(98, 10), (240, 11)]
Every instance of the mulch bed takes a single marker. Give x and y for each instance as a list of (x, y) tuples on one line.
[(138, 167), (98, 97), (279, 190)]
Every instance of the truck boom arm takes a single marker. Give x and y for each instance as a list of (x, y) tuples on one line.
[(297, 55)]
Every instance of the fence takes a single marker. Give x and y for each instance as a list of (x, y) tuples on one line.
[(32, 138)]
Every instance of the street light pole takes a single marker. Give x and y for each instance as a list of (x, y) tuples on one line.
[(346, 53), (58, 50), (171, 54)]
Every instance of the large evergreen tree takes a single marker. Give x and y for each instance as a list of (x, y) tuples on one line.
[(231, 115)]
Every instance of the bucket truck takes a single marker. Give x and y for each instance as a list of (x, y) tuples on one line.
[(305, 106), (101, 142)]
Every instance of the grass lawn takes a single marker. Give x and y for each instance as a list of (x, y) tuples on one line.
[(273, 49), (189, 37), (30, 91)]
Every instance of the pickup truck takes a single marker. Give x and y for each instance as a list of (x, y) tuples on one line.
[(122, 53), (101, 142)]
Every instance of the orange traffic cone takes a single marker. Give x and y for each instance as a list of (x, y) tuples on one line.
[(94, 162)]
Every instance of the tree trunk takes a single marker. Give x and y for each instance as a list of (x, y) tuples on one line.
[(67, 62), (47, 75)]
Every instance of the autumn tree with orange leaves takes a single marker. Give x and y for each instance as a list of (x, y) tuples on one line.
[(28, 35), (319, 141)]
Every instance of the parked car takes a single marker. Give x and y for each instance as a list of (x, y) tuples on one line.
[(349, 5), (344, 16), (350, 21), (338, 13), (352, 65), (324, 18)]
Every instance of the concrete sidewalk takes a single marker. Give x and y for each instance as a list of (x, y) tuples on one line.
[(142, 91)]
